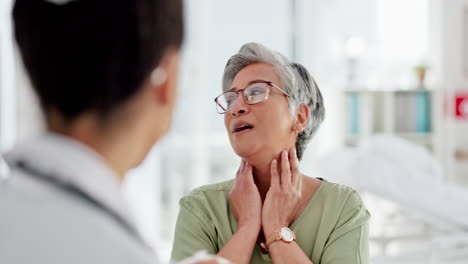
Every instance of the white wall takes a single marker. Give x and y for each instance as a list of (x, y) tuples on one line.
[(449, 55)]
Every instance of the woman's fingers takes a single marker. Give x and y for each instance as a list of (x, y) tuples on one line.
[(244, 174), (244, 197), (294, 163), (248, 173), (275, 177), (285, 169), (240, 172)]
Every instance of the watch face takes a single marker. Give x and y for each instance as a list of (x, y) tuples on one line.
[(287, 234)]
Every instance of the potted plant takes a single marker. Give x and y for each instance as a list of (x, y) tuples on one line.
[(421, 70)]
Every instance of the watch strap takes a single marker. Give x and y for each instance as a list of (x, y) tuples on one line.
[(275, 236)]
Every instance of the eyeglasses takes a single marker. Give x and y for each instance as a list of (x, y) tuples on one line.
[(256, 92)]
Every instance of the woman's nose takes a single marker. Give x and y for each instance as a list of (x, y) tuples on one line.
[(239, 107)]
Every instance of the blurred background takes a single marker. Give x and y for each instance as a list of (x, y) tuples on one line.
[(394, 76)]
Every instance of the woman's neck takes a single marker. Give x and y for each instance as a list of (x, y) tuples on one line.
[(261, 171), (261, 163), (262, 179)]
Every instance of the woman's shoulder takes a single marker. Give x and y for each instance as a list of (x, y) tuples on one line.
[(224, 186), (345, 201), (339, 191), (342, 197), (210, 195)]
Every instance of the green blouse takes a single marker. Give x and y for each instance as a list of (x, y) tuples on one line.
[(332, 229)]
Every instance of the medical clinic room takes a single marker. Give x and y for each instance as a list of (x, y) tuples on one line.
[(248, 131)]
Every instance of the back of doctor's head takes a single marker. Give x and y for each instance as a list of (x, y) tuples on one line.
[(93, 55)]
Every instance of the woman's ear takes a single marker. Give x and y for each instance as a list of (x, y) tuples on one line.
[(302, 117)]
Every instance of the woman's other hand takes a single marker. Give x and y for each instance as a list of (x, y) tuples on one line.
[(283, 200), (245, 199)]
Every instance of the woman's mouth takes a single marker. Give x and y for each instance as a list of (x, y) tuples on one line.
[(241, 127), (242, 130)]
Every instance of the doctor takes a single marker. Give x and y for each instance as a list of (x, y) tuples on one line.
[(105, 75)]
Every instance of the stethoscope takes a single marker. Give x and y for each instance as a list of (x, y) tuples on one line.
[(71, 189)]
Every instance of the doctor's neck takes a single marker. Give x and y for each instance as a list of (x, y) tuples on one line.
[(120, 144)]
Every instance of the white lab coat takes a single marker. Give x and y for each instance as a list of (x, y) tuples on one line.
[(41, 222)]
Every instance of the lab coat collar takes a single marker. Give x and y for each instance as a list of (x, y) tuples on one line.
[(73, 162)]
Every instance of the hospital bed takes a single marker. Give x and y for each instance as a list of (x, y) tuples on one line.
[(417, 217)]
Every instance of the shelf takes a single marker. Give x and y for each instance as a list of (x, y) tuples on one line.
[(409, 115)]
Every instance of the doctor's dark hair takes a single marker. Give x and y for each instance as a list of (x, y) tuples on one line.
[(93, 55), (295, 79)]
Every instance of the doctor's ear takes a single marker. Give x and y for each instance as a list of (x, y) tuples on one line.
[(163, 79), (302, 118)]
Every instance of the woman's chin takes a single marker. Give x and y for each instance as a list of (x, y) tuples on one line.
[(244, 151)]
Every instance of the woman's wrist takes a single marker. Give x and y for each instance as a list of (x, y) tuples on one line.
[(248, 232), (271, 227), (251, 226)]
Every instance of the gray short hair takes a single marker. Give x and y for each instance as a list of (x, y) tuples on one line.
[(295, 78)]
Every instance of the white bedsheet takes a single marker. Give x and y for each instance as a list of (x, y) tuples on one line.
[(401, 172)]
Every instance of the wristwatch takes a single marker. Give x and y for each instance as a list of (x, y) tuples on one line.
[(285, 234)]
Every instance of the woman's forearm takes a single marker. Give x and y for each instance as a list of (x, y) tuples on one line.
[(240, 246), (282, 252)]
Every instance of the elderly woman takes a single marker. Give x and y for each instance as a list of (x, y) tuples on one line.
[(271, 212)]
